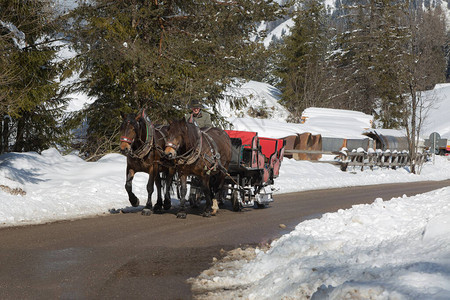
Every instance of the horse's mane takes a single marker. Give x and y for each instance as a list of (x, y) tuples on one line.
[(188, 132), (192, 134)]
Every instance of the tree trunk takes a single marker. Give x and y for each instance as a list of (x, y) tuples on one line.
[(18, 146), (4, 140), (412, 135)]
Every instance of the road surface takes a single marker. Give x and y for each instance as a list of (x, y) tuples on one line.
[(130, 256)]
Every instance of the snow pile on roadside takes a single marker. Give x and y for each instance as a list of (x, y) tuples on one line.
[(397, 249), (59, 187)]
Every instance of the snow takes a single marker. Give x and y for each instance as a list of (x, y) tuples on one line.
[(391, 249), (438, 118), (18, 36), (332, 123), (284, 29), (259, 95), (336, 123), (78, 101)]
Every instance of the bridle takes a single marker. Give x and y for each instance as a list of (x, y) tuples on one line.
[(125, 138), (173, 146), (147, 145)]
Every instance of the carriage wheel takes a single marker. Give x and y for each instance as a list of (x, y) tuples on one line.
[(235, 201)]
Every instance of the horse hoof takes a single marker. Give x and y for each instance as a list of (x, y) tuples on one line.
[(207, 214), (157, 209), (146, 212), (167, 206), (134, 202), (181, 215)]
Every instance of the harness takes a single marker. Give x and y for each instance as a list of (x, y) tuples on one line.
[(214, 159), (193, 154)]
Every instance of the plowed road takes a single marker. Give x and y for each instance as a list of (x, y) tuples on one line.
[(130, 256)]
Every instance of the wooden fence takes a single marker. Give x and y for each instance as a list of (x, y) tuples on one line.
[(371, 159)]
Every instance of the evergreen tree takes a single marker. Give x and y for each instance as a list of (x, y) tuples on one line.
[(28, 84), (355, 57), (302, 66), (389, 62), (160, 55)]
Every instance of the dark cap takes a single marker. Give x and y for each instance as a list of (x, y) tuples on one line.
[(195, 104)]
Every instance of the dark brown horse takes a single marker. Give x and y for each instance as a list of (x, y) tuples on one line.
[(143, 143), (204, 153)]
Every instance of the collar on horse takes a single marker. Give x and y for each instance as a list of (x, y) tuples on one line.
[(214, 159), (192, 154)]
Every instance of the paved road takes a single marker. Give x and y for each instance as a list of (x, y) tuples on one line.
[(130, 256)]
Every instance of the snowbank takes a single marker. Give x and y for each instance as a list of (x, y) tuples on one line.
[(397, 249)]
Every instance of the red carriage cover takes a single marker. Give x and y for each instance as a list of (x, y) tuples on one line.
[(247, 137), (267, 153), (250, 141)]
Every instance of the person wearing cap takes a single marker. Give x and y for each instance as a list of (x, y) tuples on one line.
[(200, 117)]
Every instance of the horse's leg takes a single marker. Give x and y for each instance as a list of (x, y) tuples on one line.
[(169, 179), (159, 203), (182, 211), (207, 192), (129, 187), (217, 193), (147, 211), (223, 191)]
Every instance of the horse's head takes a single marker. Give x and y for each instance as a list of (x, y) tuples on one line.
[(175, 138), (128, 132)]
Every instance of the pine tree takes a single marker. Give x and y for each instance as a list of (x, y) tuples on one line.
[(160, 55), (389, 62), (29, 88), (354, 57), (302, 66)]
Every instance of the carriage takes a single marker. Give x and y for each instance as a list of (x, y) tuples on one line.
[(240, 163), (255, 163)]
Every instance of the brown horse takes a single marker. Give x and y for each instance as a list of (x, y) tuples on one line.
[(143, 143), (204, 153)]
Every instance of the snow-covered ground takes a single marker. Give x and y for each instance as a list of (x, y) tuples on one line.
[(391, 249)]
